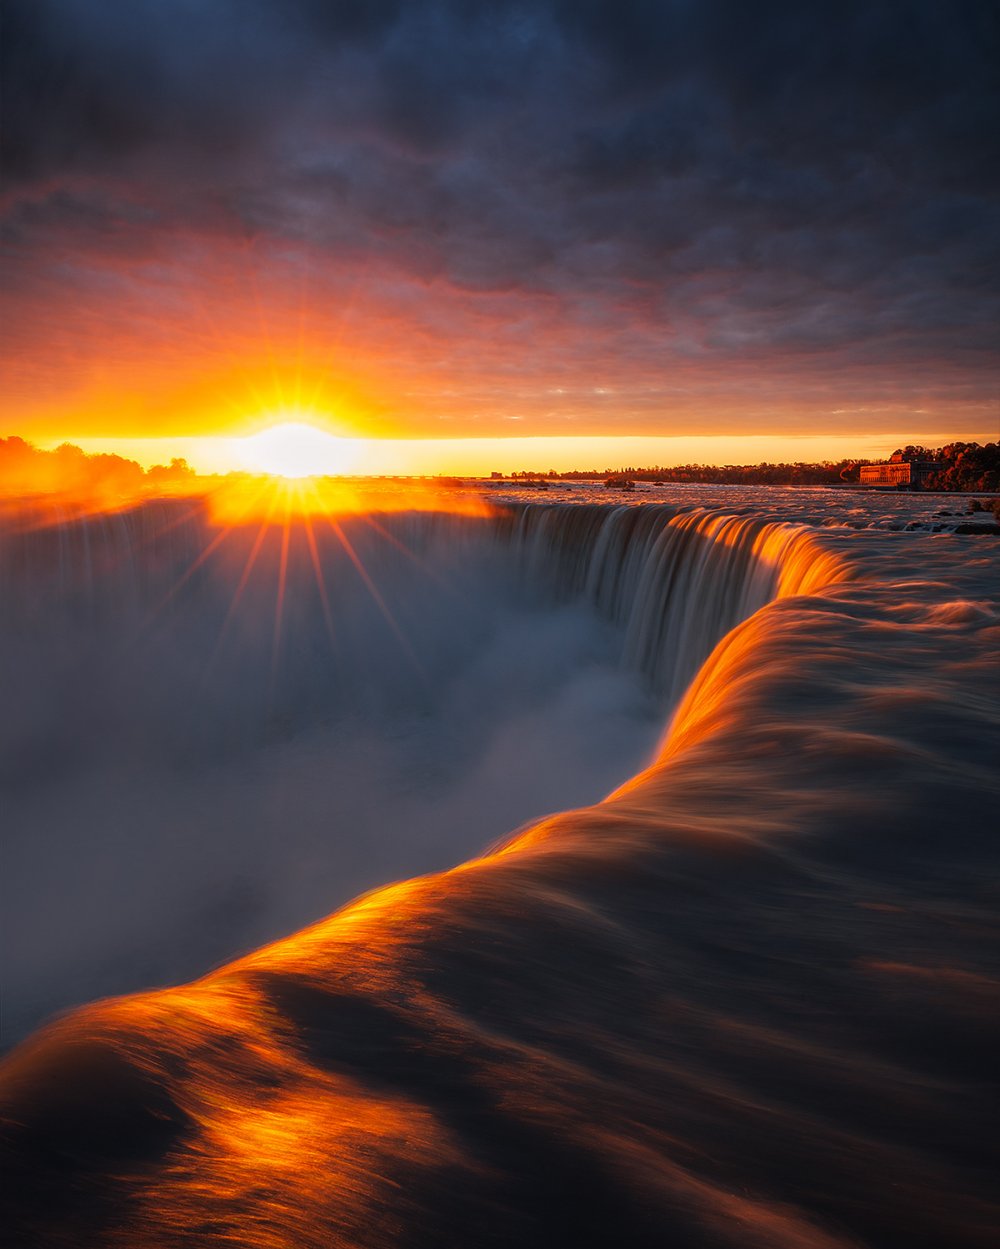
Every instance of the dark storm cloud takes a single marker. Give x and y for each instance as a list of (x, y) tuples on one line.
[(833, 165)]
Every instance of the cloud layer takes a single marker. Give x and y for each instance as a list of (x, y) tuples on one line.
[(691, 207)]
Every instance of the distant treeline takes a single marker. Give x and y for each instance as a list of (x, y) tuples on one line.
[(25, 469), (763, 474), (963, 466)]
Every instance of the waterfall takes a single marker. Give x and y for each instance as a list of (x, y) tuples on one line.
[(676, 581), (746, 998)]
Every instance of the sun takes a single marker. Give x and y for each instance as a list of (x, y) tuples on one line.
[(297, 449)]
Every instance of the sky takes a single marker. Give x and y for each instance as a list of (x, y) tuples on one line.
[(710, 227)]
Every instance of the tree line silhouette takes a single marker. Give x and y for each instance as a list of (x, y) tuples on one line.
[(958, 466)]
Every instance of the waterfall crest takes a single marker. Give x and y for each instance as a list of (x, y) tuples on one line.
[(677, 582), (674, 581)]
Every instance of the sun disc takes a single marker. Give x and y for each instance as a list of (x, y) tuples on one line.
[(296, 449)]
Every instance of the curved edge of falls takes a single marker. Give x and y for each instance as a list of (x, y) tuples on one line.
[(677, 582)]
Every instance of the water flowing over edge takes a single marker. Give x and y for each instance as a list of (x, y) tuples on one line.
[(677, 581), (745, 1000)]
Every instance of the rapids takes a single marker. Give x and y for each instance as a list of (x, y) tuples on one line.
[(748, 998)]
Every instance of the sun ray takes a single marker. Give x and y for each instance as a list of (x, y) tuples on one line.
[(301, 344), (186, 576), (279, 605), (373, 590), (205, 555), (401, 546), (265, 331), (244, 580), (320, 579)]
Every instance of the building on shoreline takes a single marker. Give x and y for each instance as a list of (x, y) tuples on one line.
[(898, 472)]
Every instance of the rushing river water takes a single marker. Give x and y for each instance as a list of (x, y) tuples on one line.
[(749, 998)]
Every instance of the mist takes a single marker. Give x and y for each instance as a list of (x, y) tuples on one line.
[(202, 753)]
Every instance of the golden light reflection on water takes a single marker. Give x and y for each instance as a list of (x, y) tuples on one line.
[(247, 500), (244, 499)]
